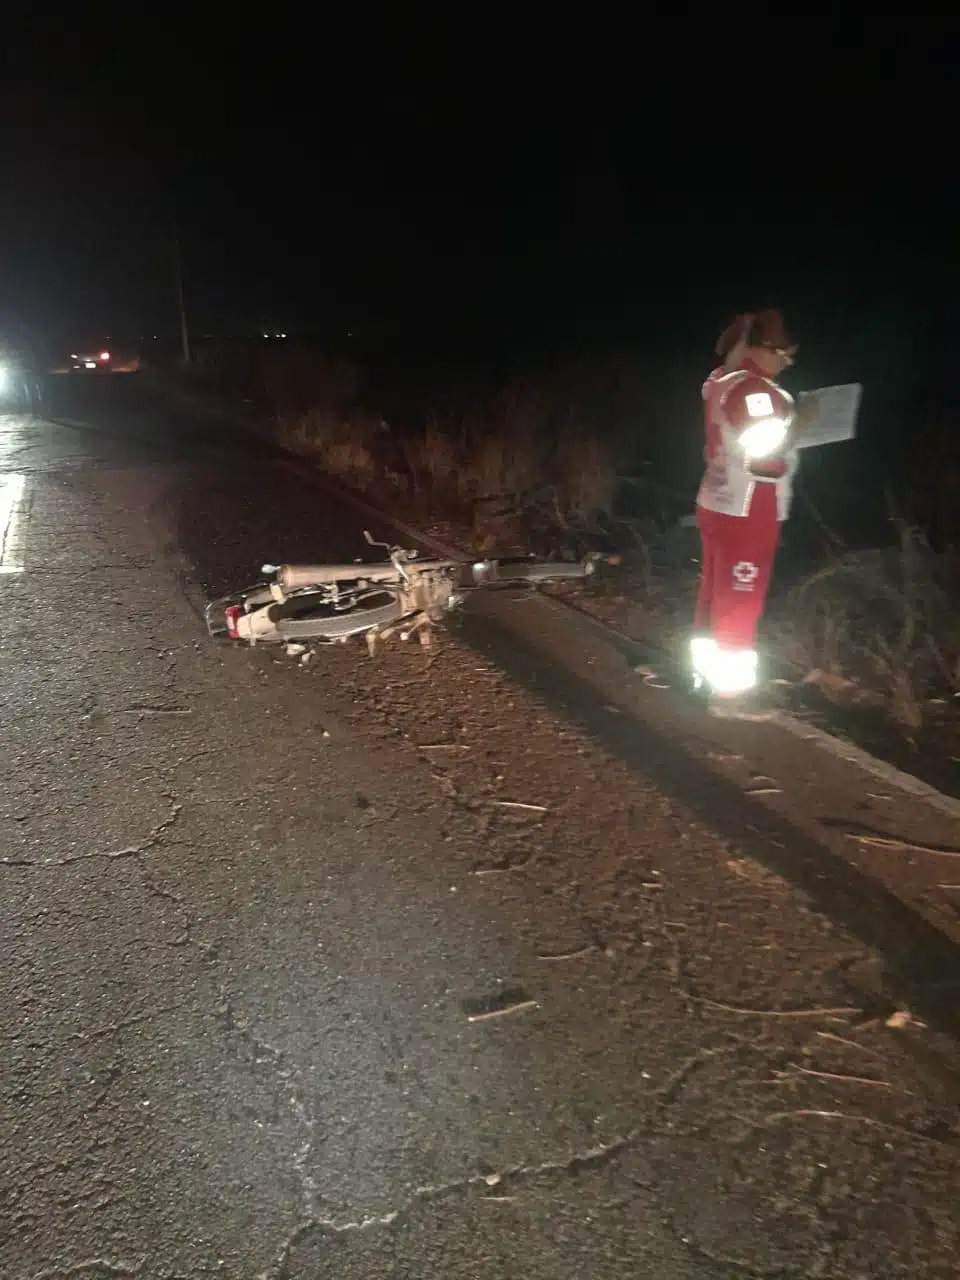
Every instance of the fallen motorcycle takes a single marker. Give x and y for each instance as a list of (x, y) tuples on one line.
[(402, 595)]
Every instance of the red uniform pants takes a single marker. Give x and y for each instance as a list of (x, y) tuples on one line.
[(737, 559)]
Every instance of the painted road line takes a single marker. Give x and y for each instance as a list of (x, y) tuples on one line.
[(12, 488)]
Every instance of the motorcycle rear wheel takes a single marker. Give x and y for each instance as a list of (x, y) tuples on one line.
[(322, 623)]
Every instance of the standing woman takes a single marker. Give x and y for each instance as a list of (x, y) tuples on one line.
[(744, 498)]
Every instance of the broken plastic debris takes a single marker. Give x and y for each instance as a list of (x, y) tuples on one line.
[(294, 650)]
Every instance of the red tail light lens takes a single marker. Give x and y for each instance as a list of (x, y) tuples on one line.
[(232, 614), (104, 356)]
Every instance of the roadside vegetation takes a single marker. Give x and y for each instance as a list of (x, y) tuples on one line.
[(553, 462)]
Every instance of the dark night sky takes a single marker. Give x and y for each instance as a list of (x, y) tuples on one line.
[(484, 175)]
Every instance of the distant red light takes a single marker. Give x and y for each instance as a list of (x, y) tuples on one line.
[(104, 356)]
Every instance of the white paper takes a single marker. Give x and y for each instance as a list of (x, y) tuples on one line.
[(836, 420)]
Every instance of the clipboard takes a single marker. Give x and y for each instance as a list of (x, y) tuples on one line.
[(836, 419)]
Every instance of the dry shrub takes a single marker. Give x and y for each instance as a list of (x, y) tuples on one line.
[(505, 453), (311, 432), (501, 461), (523, 407), (433, 461), (522, 461), (352, 459), (344, 448), (293, 380), (586, 477), (934, 480), (499, 464), (878, 627), (485, 468)]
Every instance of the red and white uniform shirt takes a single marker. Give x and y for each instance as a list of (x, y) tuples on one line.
[(747, 419)]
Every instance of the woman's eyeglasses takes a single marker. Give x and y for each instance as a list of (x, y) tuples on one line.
[(785, 353)]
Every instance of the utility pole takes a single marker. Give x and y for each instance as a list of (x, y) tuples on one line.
[(184, 333)]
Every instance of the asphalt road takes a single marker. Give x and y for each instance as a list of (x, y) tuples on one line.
[(250, 909)]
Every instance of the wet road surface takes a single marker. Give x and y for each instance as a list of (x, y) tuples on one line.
[(251, 913)]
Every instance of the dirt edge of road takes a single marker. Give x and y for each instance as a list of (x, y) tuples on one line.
[(803, 730), (919, 949), (892, 769)]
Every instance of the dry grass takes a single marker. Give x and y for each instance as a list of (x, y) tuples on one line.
[(528, 468), (501, 464), (484, 473), (481, 472), (878, 628), (433, 463), (293, 381), (585, 477), (343, 448), (875, 629)]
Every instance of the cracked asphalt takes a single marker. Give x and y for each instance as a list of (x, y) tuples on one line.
[(255, 917)]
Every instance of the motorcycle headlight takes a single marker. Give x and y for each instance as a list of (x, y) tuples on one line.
[(764, 437)]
